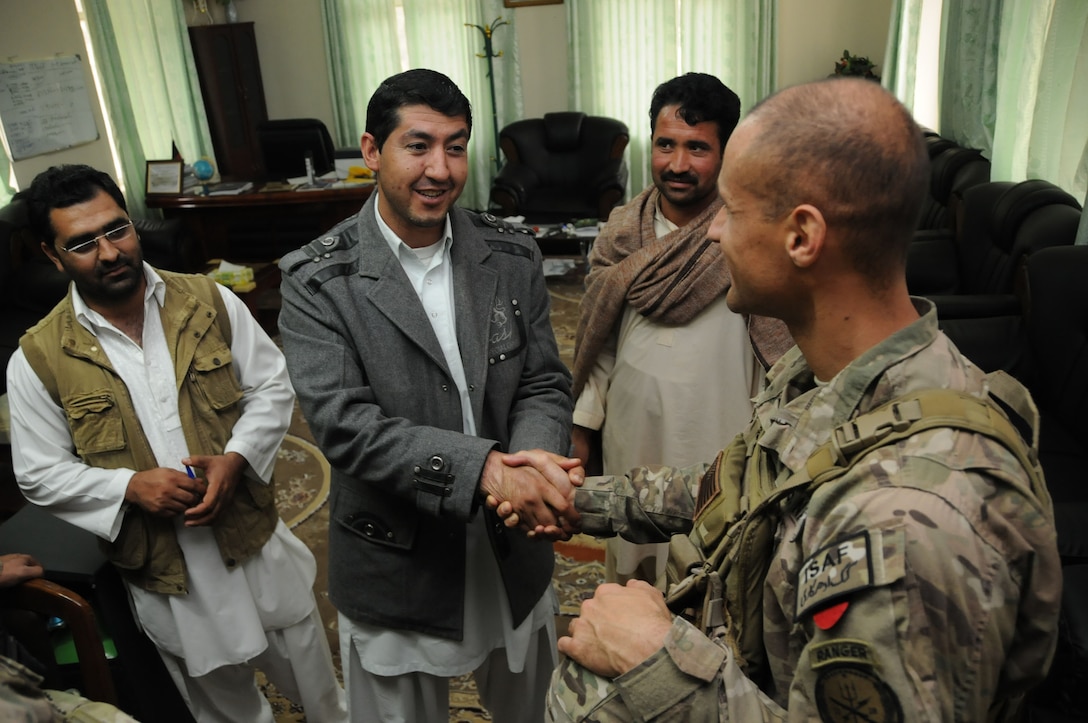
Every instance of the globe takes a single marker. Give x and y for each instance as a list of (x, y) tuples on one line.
[(203, 169)]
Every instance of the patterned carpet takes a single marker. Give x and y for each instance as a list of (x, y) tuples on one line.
[(302, 479)]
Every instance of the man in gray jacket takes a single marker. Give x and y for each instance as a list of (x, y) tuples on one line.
[(418, 340)]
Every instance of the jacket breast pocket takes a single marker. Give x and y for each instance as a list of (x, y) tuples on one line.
[(95, 421), (212, 372), (506, 335)]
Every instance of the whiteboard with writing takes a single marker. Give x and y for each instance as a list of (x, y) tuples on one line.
[(44, 106)]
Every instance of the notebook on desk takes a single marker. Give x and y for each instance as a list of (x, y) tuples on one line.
[(70, 555)]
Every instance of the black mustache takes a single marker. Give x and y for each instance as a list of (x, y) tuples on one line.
[(682, 177)]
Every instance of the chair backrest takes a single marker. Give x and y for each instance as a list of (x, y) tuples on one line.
[(1003, 223), (1058, 334), (285, 144), (565, 148)]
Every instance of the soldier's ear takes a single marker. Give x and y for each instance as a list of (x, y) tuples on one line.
[(806, 234)]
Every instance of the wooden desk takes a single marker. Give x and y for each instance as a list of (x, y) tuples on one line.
[(259, 226)]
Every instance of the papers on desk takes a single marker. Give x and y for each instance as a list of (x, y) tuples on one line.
[(234, 276), (229, 188), (274, 186)]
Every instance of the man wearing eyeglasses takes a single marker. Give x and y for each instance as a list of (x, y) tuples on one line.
[(147, 407)]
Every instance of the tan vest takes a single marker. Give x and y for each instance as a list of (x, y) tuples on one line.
[(106, 433)]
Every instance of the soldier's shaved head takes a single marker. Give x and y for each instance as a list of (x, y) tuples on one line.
[(849, 148)]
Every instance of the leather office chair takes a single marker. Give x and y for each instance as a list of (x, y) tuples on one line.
[(49, 599), (561, 167), (285, 144), (980, 270), (1057, 321), (952, 171)]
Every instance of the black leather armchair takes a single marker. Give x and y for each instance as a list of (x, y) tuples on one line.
[(1057, 323), (976, 276), (561, 167)]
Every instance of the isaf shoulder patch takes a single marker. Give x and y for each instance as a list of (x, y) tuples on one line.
[(833, 571)]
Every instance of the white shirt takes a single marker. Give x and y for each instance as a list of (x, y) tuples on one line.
[(223, 618), (488, 624)]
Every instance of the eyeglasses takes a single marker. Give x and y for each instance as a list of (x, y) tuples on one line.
[(114, 236)]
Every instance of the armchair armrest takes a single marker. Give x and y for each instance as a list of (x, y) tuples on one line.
[(50, 599)]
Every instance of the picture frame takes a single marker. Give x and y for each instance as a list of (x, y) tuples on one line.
[(163, 177), (527, 3)]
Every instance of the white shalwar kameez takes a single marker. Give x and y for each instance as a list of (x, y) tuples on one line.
[(262, 612), (673, 395)]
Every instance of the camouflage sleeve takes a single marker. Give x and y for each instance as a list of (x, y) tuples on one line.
[(693, 673), (690, 678), (649, 504)]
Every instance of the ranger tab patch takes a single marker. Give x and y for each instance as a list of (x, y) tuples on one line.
[(840, 651), (840, 568)]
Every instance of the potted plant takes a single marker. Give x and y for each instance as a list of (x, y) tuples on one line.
[(856, 65)]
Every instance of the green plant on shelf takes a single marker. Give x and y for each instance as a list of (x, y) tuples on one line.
[(855, 65)]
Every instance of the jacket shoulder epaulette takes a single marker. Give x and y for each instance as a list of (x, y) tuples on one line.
[(325, 257), (504, 236)]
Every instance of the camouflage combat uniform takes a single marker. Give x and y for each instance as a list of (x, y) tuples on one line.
[(945, 579)]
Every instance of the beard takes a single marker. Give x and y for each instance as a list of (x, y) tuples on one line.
[(114, 282)]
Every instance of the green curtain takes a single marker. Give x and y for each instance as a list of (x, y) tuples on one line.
[(1042, 98), (621, 50), (1011, 82), (434, 36), (969, 59), (164, 88), (6, 191), (119, 110), (150, 84), (357, 64)]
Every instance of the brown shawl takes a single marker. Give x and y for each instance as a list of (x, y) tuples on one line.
[(669, 279)]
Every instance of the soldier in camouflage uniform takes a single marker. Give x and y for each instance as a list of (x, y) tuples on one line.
[(921, 585)]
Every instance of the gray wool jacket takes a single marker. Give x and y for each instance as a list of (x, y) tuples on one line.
[(375, 389)]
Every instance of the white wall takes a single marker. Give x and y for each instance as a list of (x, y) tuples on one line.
[(45, 29), (812, 36)]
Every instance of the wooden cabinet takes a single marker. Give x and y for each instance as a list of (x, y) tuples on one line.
[(230, 80)]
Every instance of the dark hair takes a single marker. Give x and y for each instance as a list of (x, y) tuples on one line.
[(701, 97), (61, 187), (413, 87), (848, 147)]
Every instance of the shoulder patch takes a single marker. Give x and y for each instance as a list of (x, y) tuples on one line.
[(870, 558), (833, 571), (847, 694), (841, 651)]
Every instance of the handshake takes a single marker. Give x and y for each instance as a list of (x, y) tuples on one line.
[(534, 490)]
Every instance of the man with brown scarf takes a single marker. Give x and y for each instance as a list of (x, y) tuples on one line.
[(662, 369)]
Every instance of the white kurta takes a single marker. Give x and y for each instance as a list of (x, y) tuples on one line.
[(671, 395), (488, 623), (223, 618)]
